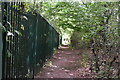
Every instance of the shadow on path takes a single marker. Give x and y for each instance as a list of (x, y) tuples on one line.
[(64, 64)]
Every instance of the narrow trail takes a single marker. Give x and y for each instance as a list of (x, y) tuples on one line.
[(64, 64)]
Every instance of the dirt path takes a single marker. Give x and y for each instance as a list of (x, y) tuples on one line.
[(64, 64)]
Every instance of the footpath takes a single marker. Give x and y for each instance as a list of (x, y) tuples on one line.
[(66, 63)]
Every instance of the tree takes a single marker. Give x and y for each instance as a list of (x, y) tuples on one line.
[(98, 22)]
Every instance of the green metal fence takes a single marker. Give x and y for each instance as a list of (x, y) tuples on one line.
[(28, 41)]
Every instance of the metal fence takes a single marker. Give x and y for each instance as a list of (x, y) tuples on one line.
[(0, 43), (28, 41)]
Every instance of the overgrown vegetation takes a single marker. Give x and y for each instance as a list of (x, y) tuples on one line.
[(96, 25)]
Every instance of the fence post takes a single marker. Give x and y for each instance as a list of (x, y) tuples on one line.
[(0, 42)]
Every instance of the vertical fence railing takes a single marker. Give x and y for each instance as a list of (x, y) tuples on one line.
[(1, 45), (4, 41), (29, 41)]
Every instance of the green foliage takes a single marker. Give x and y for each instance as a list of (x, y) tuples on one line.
[(79, 40), (84, 61), (54, 51), (94, 23), (18, 33)]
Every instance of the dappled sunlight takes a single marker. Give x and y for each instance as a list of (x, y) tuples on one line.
[(60, 39), (65, 64)]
